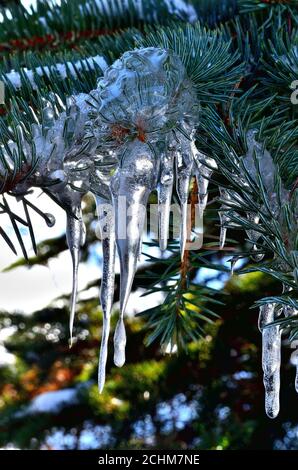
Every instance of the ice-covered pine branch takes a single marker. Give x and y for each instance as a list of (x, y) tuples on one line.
[(257, 201), (65, 70), (131, 135)]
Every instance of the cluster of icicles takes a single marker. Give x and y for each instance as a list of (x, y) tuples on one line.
[(131, 135), (271, 354), (259, 159)]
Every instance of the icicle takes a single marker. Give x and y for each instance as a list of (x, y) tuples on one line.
[(203, 174), (119, 343), (265, 161), (268, 170), (165, 189), (290, 311), (140, 248), (271, 357), (233, 262), (183, 175), (203, 170), (223, 230), (294, 362), (130, 186), (223, 217), (107, 228), (75, 237)]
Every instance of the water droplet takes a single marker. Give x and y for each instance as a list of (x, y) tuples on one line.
[(50, 219)]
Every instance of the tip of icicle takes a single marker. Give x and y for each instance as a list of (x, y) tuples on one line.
[(163, 245), (101, 384), (222, 239), (271, 409), (119, 343), (70, 326), (272, 415), (119, 362)]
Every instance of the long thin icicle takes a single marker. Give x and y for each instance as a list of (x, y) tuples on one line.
[(183, 176), (107, 228), (165, 190), (74, 240), (131, 187), (294, 361), (271, 358), (75, 237), (290, 311)]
